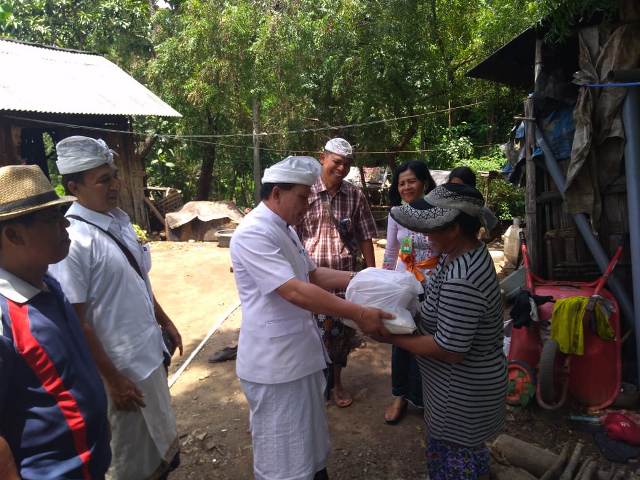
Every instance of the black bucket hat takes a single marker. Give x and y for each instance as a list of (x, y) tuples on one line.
[(440, 208)]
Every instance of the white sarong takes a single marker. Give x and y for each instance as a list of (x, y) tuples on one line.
[(289, 428), (144, 442)]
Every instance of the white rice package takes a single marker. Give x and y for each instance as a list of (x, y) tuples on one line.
[(392, 291)]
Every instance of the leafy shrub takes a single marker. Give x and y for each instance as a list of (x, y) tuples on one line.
[(140, 233), (505, 199)]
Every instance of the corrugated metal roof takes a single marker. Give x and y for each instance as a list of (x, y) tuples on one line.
[(49, 80)]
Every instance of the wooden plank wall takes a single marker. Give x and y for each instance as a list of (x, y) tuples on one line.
[(566, 256), (131, 173), (131, 169), (8, 148)]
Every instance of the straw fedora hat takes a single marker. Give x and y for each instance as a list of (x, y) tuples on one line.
[(25, 189)]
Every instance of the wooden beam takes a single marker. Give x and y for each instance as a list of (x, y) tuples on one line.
[(549, 197), (531, 207), (154, 210)]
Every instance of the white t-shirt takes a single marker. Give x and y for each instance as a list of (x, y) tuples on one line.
[(279, 342), (119, 304)]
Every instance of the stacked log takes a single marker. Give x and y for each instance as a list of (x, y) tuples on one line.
[(514, 459)]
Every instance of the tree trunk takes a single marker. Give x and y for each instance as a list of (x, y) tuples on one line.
[(206, 168), (144, 149), (246, 199), (491, 119), (257, 170), (402, 144), (363, 181)]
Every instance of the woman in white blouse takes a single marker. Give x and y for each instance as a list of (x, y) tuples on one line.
[(407, 251)]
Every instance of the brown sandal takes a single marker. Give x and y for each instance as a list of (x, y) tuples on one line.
[(396, 411)]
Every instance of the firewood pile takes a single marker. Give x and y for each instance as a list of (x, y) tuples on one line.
[(514, 459)]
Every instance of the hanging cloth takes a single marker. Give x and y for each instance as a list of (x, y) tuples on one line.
[(567, 324)]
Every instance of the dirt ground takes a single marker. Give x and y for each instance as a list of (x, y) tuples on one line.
[(194, 284)]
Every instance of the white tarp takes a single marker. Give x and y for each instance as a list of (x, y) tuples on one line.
[(205, 212)]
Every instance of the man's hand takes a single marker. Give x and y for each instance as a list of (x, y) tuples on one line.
[(370, 321), (174, 334), (167, 325), (124, 394)]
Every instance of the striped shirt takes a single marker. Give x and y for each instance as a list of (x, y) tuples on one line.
[(318, 232), (464, 402)]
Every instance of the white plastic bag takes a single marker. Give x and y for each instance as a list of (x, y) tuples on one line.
[(392, 291)]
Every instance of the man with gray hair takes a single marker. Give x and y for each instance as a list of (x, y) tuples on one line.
[(280, 353), (105, 276)]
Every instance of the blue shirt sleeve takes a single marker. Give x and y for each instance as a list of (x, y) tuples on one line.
[(7, 359)]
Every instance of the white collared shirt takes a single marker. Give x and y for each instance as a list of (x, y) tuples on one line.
[(279, 341), (16, 289), (119, 304)]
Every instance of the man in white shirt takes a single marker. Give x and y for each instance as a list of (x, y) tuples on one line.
[(105, 277), (281, 356)]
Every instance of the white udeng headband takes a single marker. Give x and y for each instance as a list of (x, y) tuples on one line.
[(294, 169), (339, 146), (78, 154)]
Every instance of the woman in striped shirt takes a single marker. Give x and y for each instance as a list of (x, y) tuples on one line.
[(459, 348)]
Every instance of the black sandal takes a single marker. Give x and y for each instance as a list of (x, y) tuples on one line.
[(227, 353)]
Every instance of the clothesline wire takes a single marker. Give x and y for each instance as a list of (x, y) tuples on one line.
[(261, 134), (199, 139), (277, 150), (226, 145), (340, 127)]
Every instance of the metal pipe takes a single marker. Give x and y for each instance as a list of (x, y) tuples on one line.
[(631, 119), (174, 378), (584, 227)]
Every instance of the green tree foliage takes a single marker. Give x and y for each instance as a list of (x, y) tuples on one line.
[(558, 16), (309, 63), (329, 62), (119, 29)]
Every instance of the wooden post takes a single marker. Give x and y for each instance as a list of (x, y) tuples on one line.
[(531, 193), (130, 171), (8, 149), (154, 210), (531, 207), (257, 170)]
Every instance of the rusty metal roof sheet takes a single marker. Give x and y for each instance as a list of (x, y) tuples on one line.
[(49, 80)]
